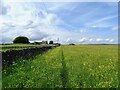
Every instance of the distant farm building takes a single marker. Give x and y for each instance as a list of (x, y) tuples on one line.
[(71, 44), (43, 42), (57, 44)]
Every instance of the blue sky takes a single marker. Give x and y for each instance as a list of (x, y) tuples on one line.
[(71, 22)]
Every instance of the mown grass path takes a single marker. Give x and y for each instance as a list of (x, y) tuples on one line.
[(64, 71), (79, 66)]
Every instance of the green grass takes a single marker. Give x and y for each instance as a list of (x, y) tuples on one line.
[(6, 47), (9, 45), (79, 66), (43, 71), (92, 66)]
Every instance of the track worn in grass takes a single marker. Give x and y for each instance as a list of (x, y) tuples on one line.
[(77, 66), (64, 71)]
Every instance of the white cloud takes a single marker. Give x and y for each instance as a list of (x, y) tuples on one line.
[(107, 39), (90, 39), (35, 27), (56, 6), (116, 28), (99, 39), (37, 24), (68, 40), (82, 39), (101, 22), (53, 19), (111, 40), (22, 20)]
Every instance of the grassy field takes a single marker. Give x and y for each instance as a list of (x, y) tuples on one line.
[(10, 48), (78, 66), (7, 47)]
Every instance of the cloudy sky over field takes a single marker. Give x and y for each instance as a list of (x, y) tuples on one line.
[(71, 22)]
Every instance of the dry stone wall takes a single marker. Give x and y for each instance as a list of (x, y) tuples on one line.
[(9, 56)]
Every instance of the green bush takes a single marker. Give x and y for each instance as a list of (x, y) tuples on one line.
[(21, 39), (51, 42)]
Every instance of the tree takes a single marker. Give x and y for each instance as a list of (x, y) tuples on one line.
[(50, 42), (21, 39)]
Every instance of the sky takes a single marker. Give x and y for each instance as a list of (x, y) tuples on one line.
[(64, 22)]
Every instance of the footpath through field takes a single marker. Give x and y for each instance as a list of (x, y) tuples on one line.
[(79, 66)]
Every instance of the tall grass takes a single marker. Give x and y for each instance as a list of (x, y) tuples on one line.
[(79, 66), (43, 72), (92, 66), (7, 47)]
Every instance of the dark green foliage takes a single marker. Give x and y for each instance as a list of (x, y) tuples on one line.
[(71, 44), (51, 42), (21, 39)]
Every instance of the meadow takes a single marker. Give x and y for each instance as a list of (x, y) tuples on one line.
[(67, 66), (6, 47)]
